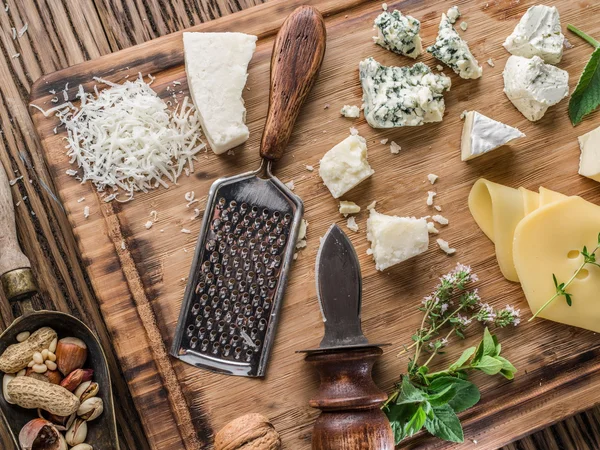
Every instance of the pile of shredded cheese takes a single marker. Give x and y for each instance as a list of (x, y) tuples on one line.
[(125, 138)]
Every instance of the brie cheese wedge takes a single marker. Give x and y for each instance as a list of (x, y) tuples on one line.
[(216, 65), (533, 86), (589, 164), (482, 135), (538, 33)]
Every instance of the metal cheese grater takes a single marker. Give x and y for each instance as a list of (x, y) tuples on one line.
[(246, 245)]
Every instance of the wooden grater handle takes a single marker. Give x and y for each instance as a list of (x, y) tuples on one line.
[(297, 55), (15, 268), (350, 402)]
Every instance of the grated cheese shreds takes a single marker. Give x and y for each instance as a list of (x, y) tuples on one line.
[(125, 138)]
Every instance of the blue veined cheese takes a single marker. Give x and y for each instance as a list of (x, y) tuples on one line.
[(401, 96), (538, 33), (216, 65), (453, 51), (533, 86), (482, 135), (398, 33)]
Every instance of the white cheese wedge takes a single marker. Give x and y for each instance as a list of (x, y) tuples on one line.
[(345, 165), (589, 163), (482, 135), (348, 208), (401, 96), (398, 33), (395, 239), (216, 65), (533, 86), (453, 51), (538, 33)]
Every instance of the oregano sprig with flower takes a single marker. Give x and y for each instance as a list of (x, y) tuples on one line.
[(432, 399)]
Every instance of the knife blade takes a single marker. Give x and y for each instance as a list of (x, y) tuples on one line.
[(339, 291)]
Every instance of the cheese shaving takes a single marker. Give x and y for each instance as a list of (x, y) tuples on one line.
[(125, 138)]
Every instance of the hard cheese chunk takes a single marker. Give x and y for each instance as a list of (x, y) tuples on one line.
[(589, 163), (345, 165), (538, 33), (533, 86), (482, 134), (398, 33), (453, 51), (401, 96), (547, 242), (395, 239), (216, 66)]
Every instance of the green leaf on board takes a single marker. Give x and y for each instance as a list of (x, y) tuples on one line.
[(445, 424)]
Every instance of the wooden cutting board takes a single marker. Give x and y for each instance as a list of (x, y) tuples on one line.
[(140, 287)]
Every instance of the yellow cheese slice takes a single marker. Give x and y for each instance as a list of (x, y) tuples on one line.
[(547, 196), (548, 242), (498, 209), (531, 200)]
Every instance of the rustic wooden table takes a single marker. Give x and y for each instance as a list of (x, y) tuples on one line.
[(41, 36)]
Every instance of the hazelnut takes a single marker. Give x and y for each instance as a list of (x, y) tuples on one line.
[(71, 354), (52, 376), (250, 432), (41, 434)]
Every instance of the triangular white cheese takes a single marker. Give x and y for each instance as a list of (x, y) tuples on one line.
[(482, 134), (216, 66)]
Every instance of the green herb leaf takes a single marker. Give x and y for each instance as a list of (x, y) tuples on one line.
[(489, 365), (409, 393), (466, 393), (445, 424), (415, 423), (399, 416), (463, 358), (442, 397), (586, 96), (508, 370)]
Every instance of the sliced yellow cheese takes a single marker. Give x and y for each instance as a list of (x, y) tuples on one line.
[(548, 242), (547, 196), (531, 200), (498, 209)]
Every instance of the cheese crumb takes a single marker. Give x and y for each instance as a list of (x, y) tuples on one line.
[(348, 208), (353, 131), (350, 111), (491, 62), (432, 178), (196, 214), (453, 14), (15, 180), (185, 230), (86, 212), (154, 215), (23, 30), (464, 26), (431, 229), (351, 224), (301, 241), (463, 114), (148, 224), (384, 141), (384, 6), (371, 205), (123, 246), (290, 185), (446, 247), (438, 208), (81, 200), (309, 168), (440, 219), (395, 148), (430, 195), (439, 67)]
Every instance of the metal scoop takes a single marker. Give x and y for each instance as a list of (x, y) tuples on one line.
[(246, 245)]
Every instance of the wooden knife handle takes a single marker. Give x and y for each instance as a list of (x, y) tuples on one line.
[(15, 268), (350, 402), (297, 55)]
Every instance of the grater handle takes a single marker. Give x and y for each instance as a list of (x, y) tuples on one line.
[(297, 56), (15, 269)]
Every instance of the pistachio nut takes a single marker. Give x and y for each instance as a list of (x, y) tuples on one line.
[(77, 433), (82, 447), (91, 408), (86, 390)]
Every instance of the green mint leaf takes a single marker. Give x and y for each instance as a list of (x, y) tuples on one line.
[(586, 96), (489, 365), (445, 424), (489, 345), (415, 423), (466, 393), (508, 370), (463, 358), (438, 398), (409, 393), (399, 416)]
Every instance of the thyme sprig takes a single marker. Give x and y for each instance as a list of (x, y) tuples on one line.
[(589, 258)]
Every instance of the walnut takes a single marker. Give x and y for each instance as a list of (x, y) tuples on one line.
[(249, 432)]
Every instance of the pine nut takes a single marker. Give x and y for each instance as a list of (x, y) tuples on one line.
[(38, 358), (50, 364), (40, 368), (23, 336)]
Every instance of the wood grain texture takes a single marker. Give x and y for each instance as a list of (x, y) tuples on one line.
[(68, 32)]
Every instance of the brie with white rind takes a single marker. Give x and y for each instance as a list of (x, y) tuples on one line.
[(453, 51), (538, 33), (216, 65), (395, 239), (533, 86), (482, 134), (398, 33), (401, 96), (589, 163), (345, 165)]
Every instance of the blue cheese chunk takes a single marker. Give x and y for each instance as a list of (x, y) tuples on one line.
[(538, 33), (398, 33), (351, 111), (482, 135), (453, 51), (533, 86), (395, 239), (401, 96)]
